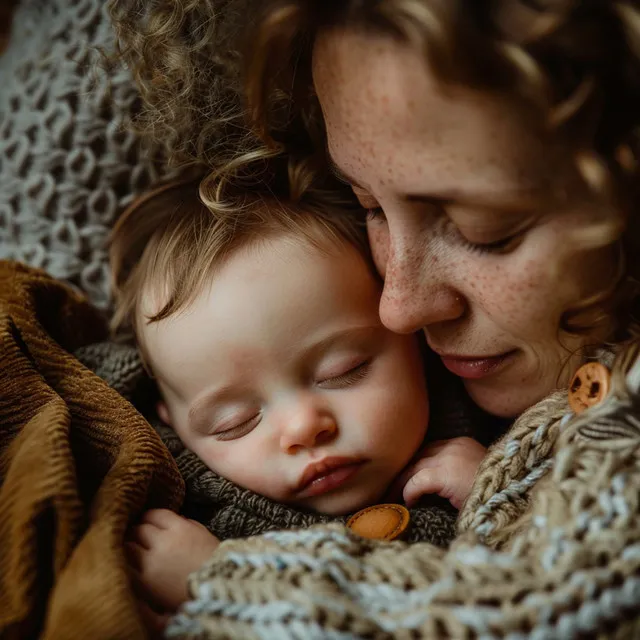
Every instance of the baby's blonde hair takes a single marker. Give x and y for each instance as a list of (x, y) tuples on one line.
[(171, 241)]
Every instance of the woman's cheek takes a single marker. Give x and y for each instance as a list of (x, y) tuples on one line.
[(378, 233)]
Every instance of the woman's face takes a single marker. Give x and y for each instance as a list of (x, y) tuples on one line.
[(473, 217)]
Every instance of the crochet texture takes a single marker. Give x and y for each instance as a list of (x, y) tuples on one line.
[(549, 548), (68, 164)]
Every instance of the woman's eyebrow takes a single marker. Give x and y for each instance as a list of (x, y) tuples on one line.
[(516, 198)]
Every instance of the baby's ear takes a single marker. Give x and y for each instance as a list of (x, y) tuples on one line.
[(163, 412)]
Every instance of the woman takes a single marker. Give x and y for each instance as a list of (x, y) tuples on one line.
[(494, 147), (478, 140), (494, 150)]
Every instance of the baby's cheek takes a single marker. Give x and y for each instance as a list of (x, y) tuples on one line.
[(401, 418)]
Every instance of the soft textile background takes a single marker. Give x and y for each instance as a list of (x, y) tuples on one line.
[(68, 164)]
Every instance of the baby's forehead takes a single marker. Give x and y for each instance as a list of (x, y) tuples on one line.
[(268, 295), (157, 290)]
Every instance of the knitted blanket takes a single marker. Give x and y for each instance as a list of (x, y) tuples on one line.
[(77, 465), (69, 163), (549, 548), (227, 510)]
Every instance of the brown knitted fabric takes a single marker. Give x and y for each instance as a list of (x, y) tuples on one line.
[(78, 464), (227, 510), (549, 548)]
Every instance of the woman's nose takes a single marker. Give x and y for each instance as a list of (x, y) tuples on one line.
[(416, 291), (305, 426)]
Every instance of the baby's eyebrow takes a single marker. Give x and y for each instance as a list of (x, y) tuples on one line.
[(354, 334)]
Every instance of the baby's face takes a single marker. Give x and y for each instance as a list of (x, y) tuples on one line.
[(281, 378)]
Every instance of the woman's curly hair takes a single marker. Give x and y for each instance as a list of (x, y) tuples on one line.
[(184, 56), (207, 67), (186, 59)]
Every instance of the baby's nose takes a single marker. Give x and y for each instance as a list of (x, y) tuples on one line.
[(307, 426)]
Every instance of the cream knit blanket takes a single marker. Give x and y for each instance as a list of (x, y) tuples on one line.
[(68, 163), (549, 548)]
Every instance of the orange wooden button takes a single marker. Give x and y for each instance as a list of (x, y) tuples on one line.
[(380, 522), (590, 385)]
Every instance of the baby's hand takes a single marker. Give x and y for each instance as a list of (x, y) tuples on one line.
[(163, 550), (445, 467)]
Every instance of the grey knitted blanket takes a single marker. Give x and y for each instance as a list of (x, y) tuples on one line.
[(68, 163)]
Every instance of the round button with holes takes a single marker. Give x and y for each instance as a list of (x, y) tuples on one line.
[(589, 386)]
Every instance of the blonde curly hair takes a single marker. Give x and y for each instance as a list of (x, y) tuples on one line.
[(576, 61), (184, 57)]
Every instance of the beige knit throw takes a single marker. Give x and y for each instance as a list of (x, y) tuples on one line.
[(549, 547)]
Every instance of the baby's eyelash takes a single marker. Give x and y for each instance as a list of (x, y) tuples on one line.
[(348, 378), (239, 430)]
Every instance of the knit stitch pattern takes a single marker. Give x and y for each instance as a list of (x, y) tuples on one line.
[(549, 549), (68, 164)]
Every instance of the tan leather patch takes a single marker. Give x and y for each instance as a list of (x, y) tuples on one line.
[(380, 522)]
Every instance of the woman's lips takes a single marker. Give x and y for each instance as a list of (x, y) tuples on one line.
[(471, 368), (327, 475)]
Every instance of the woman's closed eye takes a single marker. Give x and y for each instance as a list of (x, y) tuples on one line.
[(504, 245), (499, 241), (347, 378)]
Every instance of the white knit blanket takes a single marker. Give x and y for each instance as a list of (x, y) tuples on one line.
[(68, 164)]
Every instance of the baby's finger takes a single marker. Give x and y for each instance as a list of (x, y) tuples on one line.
[(424, 482), (145, 535), (416, 467), (161, 518)]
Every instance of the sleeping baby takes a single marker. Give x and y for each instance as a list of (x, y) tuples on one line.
[(259, 323)]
